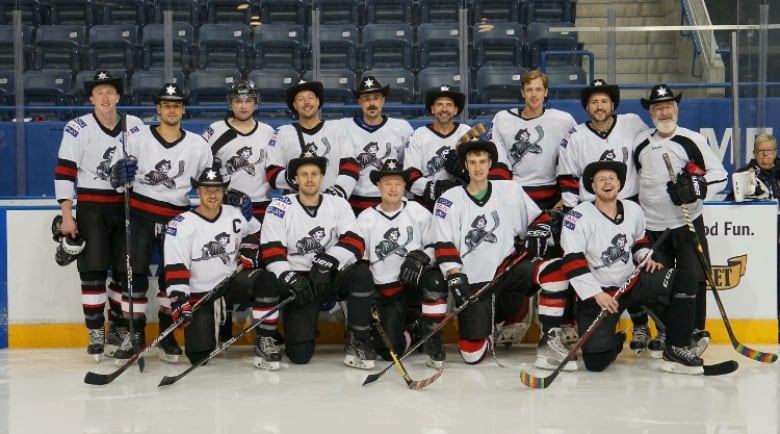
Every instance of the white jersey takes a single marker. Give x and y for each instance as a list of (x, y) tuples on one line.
[(477, 236), (599, 252), (426, 153), (584, 145), (684, 146), (390, 236), (530, 146), (162, 184), (199, 253), (292, 234), (243, 157), (84, 159), (329, 139), (374, 145)]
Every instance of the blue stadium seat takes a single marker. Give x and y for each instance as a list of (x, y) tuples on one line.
[(496, 11), (185, 11), (338, 46), (438, 44), (112, 46), (223, 45), (438, 11), (432, 78), (546, 11), (79, 12), (152, 48), (49, 88), (32, 13), (59, 46), (278, 46), (387, 46), (80, 97), (283, 11), (338, 84), (498, 44), (228, 11), (565, 75), (272, 85), (7, 92), (390, 11), (144, 84), (401, 82), (7, 54), (138, 12), (540, 39), (340, 12), (499, 84), (210, 87)]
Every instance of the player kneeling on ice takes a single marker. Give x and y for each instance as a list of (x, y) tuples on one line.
[(307, 241), (602, 240), (202, 247), (480, 228)]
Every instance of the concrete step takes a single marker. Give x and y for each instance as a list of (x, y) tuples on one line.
[(629, 37), (623, 9), (631, 21)]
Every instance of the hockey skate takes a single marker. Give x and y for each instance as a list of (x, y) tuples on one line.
[(700, 340), (125, 351), (640, 338), (97, 338), (169, 350), (434, 351), (267, 355), (657, 345), (358, 353), (551, 352), (680, 360), (114, 338)]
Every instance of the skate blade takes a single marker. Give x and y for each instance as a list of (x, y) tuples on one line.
[(261, 363), (434, 364), (552, 364), (169, 358), (638, 351), (355, 362), (98, 357), (656, 354), (678, 368)]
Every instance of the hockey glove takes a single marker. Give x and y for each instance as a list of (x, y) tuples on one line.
[(293, 284), (414, 265), (434, 189), (458, 284), (123, 172), (336, 190), (181, 308), (240, 200), (250, 259), (323, 270), (687, 189), (290, 178), (538, 238)]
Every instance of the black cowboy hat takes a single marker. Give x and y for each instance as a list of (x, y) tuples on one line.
[(307, 157), (660, 93), (104, 77), (446, 92), (390, 167), (171, 92), (210, 177), (600, 86), (314, 86), (370, 85), (594, 167), (473, 145)]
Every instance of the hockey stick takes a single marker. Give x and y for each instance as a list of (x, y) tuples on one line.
[(168, 380), (128, 185), (544, 382), (748, 352), (447, 318), (410, 382), (103, 379), (475, 132)]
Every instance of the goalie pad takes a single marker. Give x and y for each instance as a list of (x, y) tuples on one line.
[(747, 186)]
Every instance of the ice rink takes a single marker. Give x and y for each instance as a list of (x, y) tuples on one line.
[(42, 391)]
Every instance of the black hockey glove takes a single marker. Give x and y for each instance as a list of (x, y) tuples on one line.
[(414, 266), (181, 308), (687, 189), (434, 189), (293, 284), (241, 200), (323, 270), (538, 239), (249, 252), (290, 178), (458, 284), (337, 191), (123, 172)]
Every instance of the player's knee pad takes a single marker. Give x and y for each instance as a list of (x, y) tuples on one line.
[(474, 351), (682, 282), (598, 362), (551, 277), (300, 353)]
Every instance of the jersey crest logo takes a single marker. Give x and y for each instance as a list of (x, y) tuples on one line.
[(369, 158), (217, 249), (313, 243), (241, 161), (390, 244), (437, 162), (103, 169), (159, 176), (523, 144), (479, 233), (618, 251)]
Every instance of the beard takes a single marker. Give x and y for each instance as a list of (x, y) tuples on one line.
[(666, 126)]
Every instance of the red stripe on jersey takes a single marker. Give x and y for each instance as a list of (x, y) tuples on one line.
[(270, 174), (446, 252), (390, 291), (575, 265), (500, 171), (273, 252), (361, 202), (353, 243), (176, 273), (542, 193), (543, 218), (569, 183), (99, 198), (156, 210), (65, 172), (641, 243), (553, 302), (349, 167)]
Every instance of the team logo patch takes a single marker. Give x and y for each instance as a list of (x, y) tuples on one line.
[(208, 133), (570, 219), (171, 230), (74, 127), (135, 130), (442, 207), (279, 206)]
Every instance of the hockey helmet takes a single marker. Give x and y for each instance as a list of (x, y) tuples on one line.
[(243, 89), (68, 249)]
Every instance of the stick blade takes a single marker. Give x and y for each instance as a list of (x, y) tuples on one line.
[(419, 384), (759, 356), (535, 382), (721, 368), (371, 378), (96, 379), (167, 381)]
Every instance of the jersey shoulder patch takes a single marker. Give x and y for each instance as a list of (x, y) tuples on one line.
[(442, 207), (570, 219), (278, 206)]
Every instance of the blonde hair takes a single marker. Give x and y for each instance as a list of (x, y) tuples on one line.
[(533, 75), (764, 138)]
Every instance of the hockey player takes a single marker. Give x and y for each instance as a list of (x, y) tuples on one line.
[(306, 242), (470, 255), (597, 267), (700, 176), (202, 247), (83, 170), (605, 136), (311, 134), (241, 142), (160, 161), (399, 249), (377, 138)]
